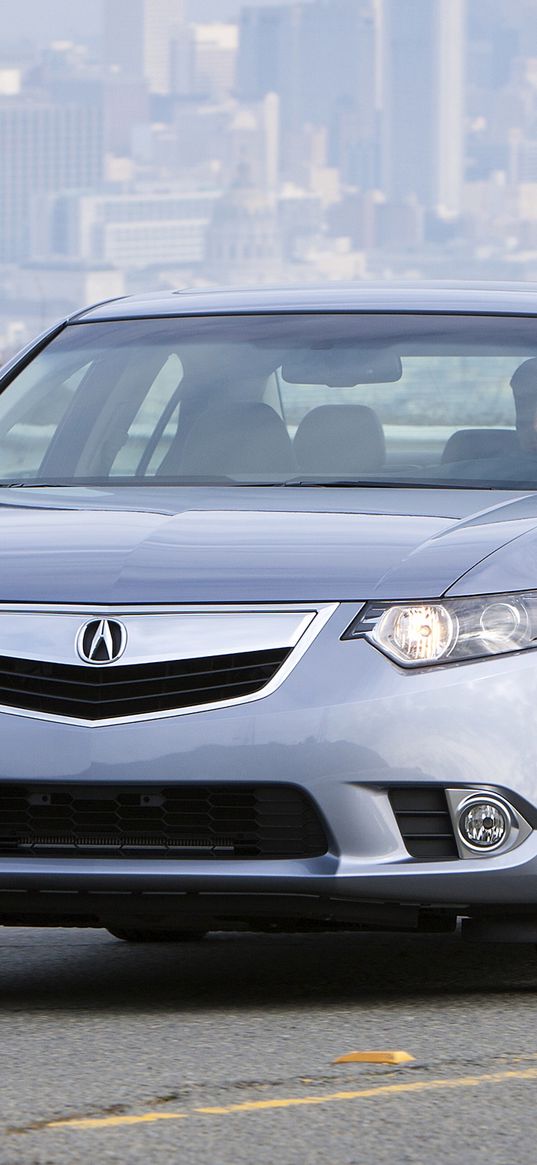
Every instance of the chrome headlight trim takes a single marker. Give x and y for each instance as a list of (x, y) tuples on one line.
[(427, 633)]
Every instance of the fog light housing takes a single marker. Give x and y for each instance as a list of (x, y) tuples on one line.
[(484, 824)]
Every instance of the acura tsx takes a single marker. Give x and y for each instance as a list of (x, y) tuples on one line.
[(268, 614)]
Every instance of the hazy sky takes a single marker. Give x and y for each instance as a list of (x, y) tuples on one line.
[(47, 20)]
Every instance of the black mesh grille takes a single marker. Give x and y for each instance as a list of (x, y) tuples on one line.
[(423, 818), (101, 693), (176, 821)]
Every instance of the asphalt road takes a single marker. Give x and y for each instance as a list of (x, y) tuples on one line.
[(95, 1031)]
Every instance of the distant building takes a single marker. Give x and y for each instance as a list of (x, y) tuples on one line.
[(126, 106), (127, 231), (423, 102), (244, 241), (139, 40), (44, 148), (319, 57), (10, 82), (399, 226), (522, 159), (266, 37), (253, 143), (215, 49)]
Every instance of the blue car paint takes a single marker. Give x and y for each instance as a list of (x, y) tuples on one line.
[(347, 724), (244, 548)]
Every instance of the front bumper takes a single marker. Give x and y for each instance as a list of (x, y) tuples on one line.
[(346, 726)]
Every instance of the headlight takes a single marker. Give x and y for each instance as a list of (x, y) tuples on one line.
[(421, 634)]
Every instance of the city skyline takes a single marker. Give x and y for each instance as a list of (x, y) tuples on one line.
[(293, 141), (43, 20)]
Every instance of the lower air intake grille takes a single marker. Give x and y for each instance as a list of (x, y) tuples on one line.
[(103, 693), (178, 821), (423, 818)]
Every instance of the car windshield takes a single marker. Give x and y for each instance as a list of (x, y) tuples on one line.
[(289, 399)]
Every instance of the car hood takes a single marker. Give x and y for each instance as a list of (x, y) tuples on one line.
[(249, 545)]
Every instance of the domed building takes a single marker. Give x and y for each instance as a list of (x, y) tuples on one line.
[(244, 243)]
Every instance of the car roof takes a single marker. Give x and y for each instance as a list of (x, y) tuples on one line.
[(483, 298)]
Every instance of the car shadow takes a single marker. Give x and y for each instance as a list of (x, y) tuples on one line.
[(69, 969)]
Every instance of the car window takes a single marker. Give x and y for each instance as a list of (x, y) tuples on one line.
[(435, 397), (145, 423), (291, 398), (29, 417)]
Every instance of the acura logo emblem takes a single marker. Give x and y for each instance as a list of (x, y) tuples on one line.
[(101, 641)]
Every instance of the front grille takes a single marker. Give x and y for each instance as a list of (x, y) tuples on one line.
[(104, 693), (425, 823), (176, 821)]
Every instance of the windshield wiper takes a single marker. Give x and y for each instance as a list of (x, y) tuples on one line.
[(290, 483), (357, 483), (111, 482)]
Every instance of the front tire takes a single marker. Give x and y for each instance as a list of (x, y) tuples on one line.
[(148, 935)]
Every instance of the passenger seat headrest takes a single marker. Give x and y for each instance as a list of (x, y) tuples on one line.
[(340, 440), (472, 444)]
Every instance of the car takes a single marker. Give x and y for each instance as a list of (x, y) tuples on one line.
[(268, 614)]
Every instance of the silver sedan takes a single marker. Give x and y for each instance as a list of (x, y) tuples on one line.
[(268, 614)]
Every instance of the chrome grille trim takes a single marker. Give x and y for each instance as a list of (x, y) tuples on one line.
[(153, 635), (292, 625)]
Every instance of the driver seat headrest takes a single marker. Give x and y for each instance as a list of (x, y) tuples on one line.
[(233, 439)]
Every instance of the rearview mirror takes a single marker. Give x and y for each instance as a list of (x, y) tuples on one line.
[(340, 367)]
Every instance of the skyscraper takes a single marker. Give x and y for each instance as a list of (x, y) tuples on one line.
[(319, 57), (139, 38), (423, 102), (265, 46), (45, 147), (322, 50)]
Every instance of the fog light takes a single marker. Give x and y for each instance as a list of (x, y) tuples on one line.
[(484, 825)]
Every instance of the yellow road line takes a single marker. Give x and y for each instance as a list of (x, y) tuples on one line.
[(103, 1122), (249, 1106)]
